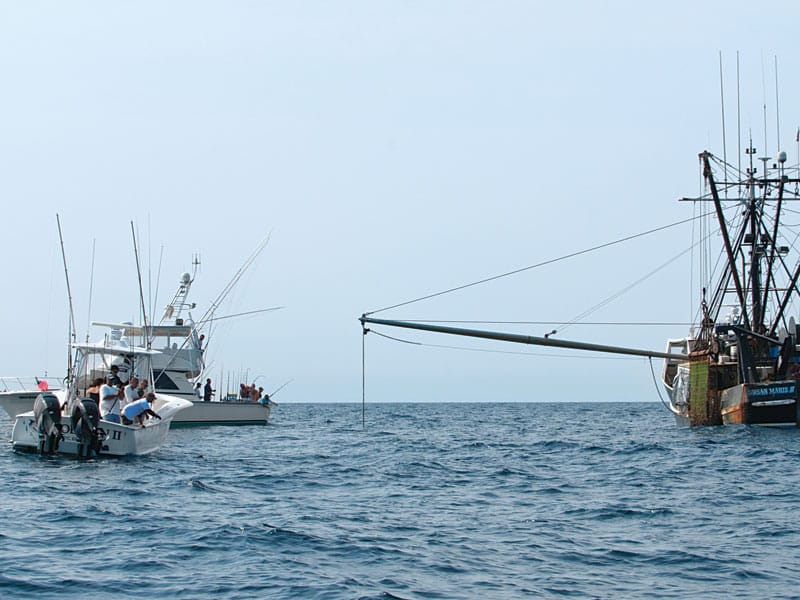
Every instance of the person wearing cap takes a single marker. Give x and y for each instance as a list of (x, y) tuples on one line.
[(124, 368), (135, 412), (109, 401), (114, 376)]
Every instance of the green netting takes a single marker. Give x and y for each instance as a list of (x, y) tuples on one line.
[(703, 402)]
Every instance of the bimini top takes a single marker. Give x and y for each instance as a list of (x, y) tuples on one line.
[(152, 330), (124, 349)]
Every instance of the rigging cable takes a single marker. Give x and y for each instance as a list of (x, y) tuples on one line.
[(488, 351), (626, 289), (528, 268), (655, 382), (364, 377)]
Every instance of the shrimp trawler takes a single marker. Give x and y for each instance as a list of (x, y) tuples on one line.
[(740, 363)]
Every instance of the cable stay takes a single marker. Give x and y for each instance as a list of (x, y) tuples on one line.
[(540, 264)]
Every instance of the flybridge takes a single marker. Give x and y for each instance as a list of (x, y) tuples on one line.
[(151, 330)]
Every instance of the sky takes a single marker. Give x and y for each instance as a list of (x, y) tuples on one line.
[(389, 150)]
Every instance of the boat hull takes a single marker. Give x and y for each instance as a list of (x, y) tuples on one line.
[(223, 413), (197, 413), (772, 403), (119, 440), (21, 401)]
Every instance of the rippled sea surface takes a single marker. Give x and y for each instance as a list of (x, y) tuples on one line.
[(426, 501)]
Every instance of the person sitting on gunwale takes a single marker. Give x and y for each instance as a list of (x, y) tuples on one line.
[(136, 411)]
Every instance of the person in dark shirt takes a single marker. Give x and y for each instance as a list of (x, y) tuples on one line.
[(207, 391)]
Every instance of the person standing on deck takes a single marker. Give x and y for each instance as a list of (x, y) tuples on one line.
[(109, 401), (113, 377), (131, 392), (124, 368), (198, 391), (207, 391), (93, 392)]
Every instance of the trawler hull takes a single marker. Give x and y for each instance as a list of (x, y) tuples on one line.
[(773, 403)]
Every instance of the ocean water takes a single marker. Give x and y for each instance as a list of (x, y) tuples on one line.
[(427, 501)]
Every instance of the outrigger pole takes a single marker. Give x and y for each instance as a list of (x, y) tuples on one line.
[(72, 329), (520, 339)]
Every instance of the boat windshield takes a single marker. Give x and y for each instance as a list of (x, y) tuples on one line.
[(93, 363)]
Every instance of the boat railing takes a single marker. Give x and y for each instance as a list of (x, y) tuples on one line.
[(29, 383)]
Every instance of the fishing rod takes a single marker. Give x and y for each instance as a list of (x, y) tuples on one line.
[(242, 314), (209, 314), (91, 287), (278, 390), (71, 334), (141, 290)]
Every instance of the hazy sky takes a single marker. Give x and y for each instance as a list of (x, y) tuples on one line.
[(393, 149)]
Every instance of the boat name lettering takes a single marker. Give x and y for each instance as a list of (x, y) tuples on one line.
[(771, 391)]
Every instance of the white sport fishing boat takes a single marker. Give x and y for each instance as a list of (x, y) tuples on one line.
[(177, 367), (68, 422)]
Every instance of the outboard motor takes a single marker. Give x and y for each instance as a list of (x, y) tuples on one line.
[(47, 418), (85, 420)]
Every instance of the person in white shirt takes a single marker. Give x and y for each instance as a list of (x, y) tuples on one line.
[(109, 402), (131, 392), (198, 391)]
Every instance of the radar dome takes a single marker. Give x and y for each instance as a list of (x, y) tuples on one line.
[(186, 278)]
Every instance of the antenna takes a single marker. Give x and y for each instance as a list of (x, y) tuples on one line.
[(71, 312), (777, 109), (764, 96), (738, 118), (722, 104)]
